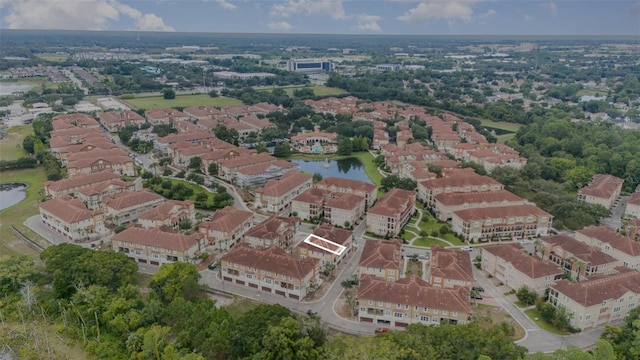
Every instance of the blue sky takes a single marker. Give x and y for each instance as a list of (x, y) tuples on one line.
[(431, 17)]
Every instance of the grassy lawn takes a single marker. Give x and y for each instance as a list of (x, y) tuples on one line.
[(18, 213), (502, 139), (533, 314), (11, 145), (429, 241), (520, 304), (155, 102), (318, 90), (434, 224), (502, 125), (240, 306), (197, 189), (488, 316), (53, 58), (35, 82)]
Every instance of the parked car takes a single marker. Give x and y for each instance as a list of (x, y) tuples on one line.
[(213, 266), (524, 241), (381, 330), (478, 288), (312, 313), (353, 282), (466, 248), (423, 257), (476, 296)]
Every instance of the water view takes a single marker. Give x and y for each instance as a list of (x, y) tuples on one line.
[(349, 168), (11, 194)]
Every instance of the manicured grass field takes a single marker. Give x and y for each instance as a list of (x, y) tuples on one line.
[(502, 139), (11, 145), (18, 213), (318, 91), (429, 241), (156, 102), (35, 82), (434, 224), (240, 306), (197, 189), (53, 58), (533, 314), (502, 125)]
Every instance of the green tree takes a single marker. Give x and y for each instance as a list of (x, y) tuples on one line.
[(168, 94), (252, 326), (195, 163), (285, 341), (28, 144), (345, 147), (175, 280), (526, 295), (262, 148), (282, 150), (14, 271), (316, 177), (213, 169)]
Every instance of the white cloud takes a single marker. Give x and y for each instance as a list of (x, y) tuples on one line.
[(440, 10), (528, 17), (331, 8), (279, 25), (486, 16), (75, 15), (368, 23), (225, 4), (551, 6)]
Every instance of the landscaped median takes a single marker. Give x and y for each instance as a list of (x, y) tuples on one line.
[(534, 315)]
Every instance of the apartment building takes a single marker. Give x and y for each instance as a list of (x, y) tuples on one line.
[(621, 247), (125, 207), (275, 230), (165, 116), (411, 300), (501, 223), (271, 270), (169, 214), (157, 247), (458, 182), (633, 205), (333, 234), (309, 204), (512, 266), (360, 188), (226, 227), (602, 190), (98, 160), (316, 142), (93, 195), (391, 212), (276, 196), (71, 185), (576, 258), (381, 258), (449, 268), (259, 174), (447, 203), (598, 301), (116, 120), (70, 218), (344, 209)]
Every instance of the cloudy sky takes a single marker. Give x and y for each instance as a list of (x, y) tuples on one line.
[(430, 17)]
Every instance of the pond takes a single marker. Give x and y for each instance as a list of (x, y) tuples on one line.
[(348, 168), (11, 194)]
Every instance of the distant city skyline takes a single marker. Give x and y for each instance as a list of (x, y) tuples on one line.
[(385, 17)]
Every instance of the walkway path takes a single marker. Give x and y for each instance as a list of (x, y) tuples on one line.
[(416, 225)]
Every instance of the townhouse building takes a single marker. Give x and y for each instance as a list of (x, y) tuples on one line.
[(446, 204), (501, 223), (71, 185), (276, 196), (71, 219), (98, 160), (458, 182), (411, 300), (168, 214), (309, 204), (113, 121), (94, 195), (203, 112), (157, 247), (633, 205), (381, 258), (602, 190), (273, 231), (391, 213), (260, 174), (344, 210), (360, 188), (126, 206), (226, 227), (333, 234), (598, 301), (512, 266), (621, 247), (271, 270), (164, 116), (579, 260), (449, 268)]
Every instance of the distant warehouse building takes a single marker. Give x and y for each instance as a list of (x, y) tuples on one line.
[(309, 65)]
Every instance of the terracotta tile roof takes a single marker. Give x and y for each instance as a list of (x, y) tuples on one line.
[(414, 291), (157, 237), (247, 160), (312, 195), (191, 136), (273, 227), (467, 178), (81, 180), (227, 219), (286, 183), (451, 264), (165, 210), (315, 134), (601, 288), (271, 259), (477, 197), (330, 232), (502, 212), (127, 199), (602, 186), (529, 265), (345, 184), (581, 251), (68, 209), (607, 235), (381, 254), (634, 199), (101, 187), (127, 116), (262, 167), (394, 203), (202, 111), (344, 201)]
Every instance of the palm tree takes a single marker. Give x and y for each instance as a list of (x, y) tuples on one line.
[(580, 266)]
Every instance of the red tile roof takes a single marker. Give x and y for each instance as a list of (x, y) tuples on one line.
[(271, 259), (128, 199), (68, 209), (477, 197), (607, 235), (286, 183), (227, 219), (502, 212), (381, 254), (450, 264), (529, 265), (158, 238), (581, 251), (602, 186), (600, 288), (394, 203)]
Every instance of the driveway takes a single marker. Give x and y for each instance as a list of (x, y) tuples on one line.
[(616, 213)]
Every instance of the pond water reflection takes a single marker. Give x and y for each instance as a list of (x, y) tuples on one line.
[(348, 168), (11, 194)]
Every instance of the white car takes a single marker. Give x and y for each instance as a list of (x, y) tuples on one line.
[(525, 241), (466, 248)]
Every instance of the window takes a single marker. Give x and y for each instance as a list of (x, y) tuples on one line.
[(249, 276), (426, 309), (616, 309), (397, 314), (435, 311), (268, 281), (454, 313), (296, 287), (370, 302), (445, 312), (398, 306), (424, 318)]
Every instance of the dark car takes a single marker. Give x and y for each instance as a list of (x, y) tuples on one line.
[(476, 296), (478, 288), (352, 282), (213, 266), (312, 313)]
